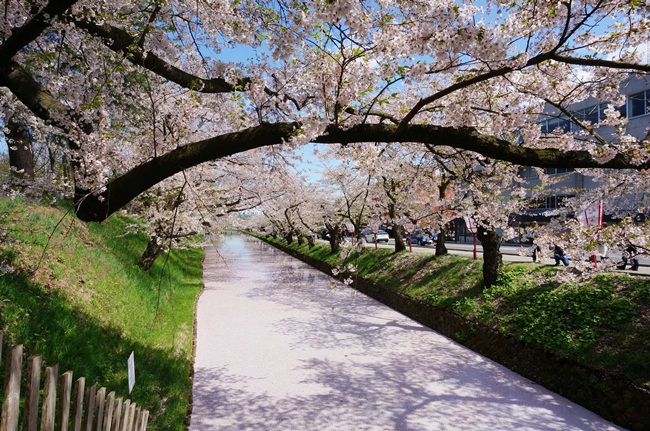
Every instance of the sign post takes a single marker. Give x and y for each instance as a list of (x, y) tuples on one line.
[(131, 366), (592, 216)]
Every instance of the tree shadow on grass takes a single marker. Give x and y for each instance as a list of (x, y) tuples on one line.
[(601, 323), (46, 324)]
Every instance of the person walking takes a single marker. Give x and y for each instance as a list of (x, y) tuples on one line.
[(536, 249), (536, 253)]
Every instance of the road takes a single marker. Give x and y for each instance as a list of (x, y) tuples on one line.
[(281, 346), (510, 253)]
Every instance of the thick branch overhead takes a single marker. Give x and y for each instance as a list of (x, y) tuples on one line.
[(129, 185), (120, 41)]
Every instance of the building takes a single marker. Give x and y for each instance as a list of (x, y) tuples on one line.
[(637, 110), (569, 182)]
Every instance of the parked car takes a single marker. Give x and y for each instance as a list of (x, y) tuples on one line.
[(369, 236), (420, 238), (323, 233)]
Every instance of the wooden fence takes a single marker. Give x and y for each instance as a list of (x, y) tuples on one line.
[(87, 409)]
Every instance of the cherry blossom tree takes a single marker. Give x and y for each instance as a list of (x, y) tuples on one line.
[(138, 92), (197, 201)]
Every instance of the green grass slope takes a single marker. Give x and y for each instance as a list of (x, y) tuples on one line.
[(78, 298), (603, 323)]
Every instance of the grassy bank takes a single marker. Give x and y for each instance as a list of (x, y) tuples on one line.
[(603, 323), (78, 298)]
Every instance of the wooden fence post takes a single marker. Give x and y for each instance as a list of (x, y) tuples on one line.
[(138, 418), (49, 398), (145, 421), (11, 402), (117, 418), (125, 415), (90, 407), (102, 413), (77, 416), (64, 407), (108, 412), (101, 398), (33, 386), (131, 417)]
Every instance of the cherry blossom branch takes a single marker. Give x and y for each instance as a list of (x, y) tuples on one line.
[(506, 70), (596, 62), (118, 40), (22, 36), (40, 101), (552, 54), (125, 188), (467, 138), (152, 18)]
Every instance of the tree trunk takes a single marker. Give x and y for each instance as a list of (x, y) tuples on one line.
[(311, 241), (288, 237), (440, 243), (21, 155), (492, 258), (151, 253), (334, 232), (398, 231)]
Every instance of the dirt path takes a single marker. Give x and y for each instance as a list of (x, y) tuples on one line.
[(280, 346)]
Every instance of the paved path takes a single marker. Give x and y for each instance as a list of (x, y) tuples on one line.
[(510, 253), (280, 346)]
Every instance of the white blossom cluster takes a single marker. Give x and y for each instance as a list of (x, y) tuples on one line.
[(486, 67)]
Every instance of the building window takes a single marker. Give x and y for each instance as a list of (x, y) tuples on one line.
[(591, 114), (549, 202), (527, 172), (538, 204), (638, 104), (560, 200), (551, 125), (556, 171), (595, 114)]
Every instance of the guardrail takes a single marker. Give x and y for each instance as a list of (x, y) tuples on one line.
[(81, 407)]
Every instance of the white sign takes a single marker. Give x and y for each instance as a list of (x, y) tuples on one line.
[(131, 366), (470, 224), (374, 226), (592, 215)]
